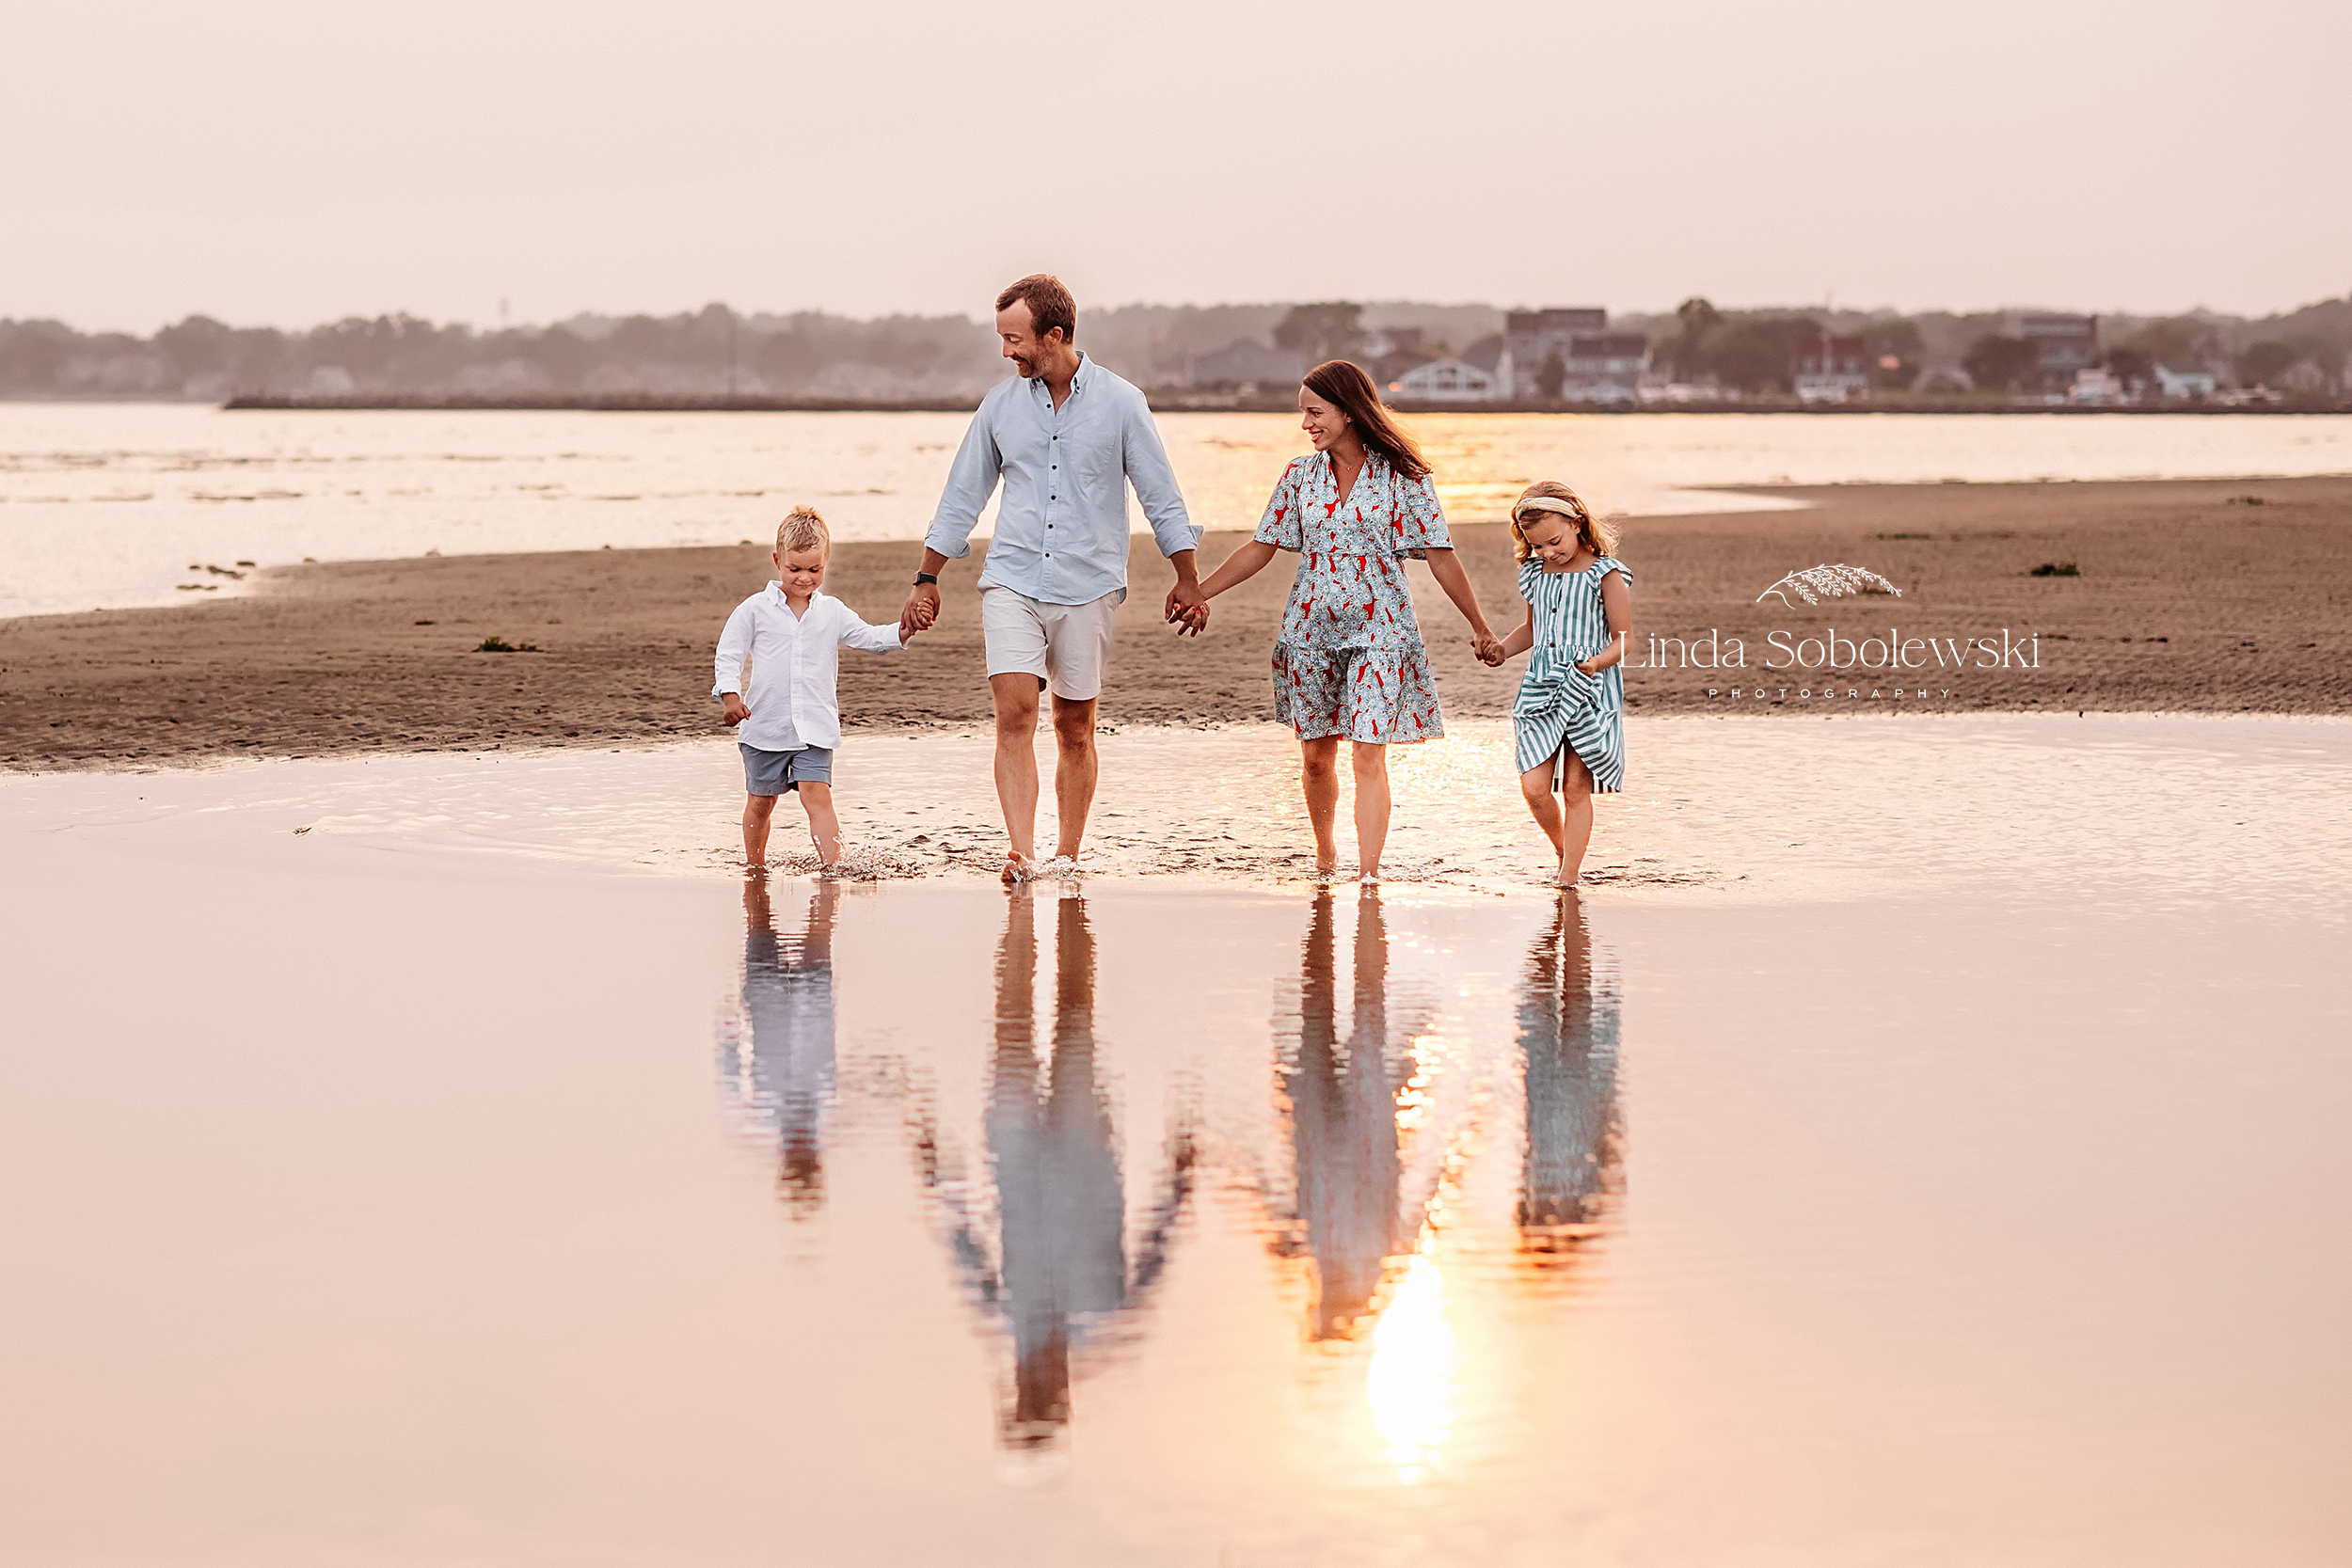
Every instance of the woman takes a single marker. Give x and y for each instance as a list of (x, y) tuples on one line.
[(1348, 663)]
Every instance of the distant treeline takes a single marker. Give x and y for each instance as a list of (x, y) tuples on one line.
[(717, 352)]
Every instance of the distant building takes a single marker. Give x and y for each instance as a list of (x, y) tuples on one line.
[(1243, 361), (2098, 387), (1531, 338), (2063, 345), (1445, 381), (1826, 368), (1605, 367), (2194, 385)]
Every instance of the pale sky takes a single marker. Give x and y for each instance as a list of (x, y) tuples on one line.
[(292, 162)]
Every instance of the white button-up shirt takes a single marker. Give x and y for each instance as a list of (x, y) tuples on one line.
[(795, 662), (1061, 534)]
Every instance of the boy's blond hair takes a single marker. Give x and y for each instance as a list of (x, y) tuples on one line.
[(1599, 534), (804, 530)]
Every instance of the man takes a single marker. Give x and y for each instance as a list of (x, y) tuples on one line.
[(1067, 438)]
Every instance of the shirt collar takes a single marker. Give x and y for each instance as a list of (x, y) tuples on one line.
[(1078, 378)]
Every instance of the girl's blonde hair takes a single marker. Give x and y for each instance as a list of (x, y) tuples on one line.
[(804, 530), (1599, 534)]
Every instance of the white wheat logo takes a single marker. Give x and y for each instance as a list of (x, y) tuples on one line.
[(1815, 583)]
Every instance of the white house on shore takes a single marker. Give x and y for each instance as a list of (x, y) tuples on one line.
[(2186, 384), (1446, 381)]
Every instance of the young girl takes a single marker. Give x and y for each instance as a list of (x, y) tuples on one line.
[(1570, 710), (1348, 662)]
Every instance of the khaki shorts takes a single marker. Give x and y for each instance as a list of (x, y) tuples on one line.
[(1066, 646)]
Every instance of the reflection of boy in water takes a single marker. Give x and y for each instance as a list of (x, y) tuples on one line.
[(787, 998), (1568, 1026), (1344, 1119)]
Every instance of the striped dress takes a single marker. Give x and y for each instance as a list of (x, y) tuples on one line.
[(1558, 703)]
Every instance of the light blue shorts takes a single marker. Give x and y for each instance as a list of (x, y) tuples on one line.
[(774, 772)]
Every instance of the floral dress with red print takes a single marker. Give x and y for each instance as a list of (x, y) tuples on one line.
[(1349, 660)]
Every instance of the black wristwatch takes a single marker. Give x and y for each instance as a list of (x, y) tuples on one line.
[(922, 578)]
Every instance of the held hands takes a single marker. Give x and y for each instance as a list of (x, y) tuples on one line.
[(922, 610), (1188, 609), (736, 712), (1489, 647)]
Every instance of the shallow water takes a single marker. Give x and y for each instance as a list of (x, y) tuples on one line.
[(1967, 1193), (112, 505)]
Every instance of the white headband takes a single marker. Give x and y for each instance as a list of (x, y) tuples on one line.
[(1549, 503)]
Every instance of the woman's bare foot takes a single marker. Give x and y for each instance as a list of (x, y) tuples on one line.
[(1017, 868), (1563, 877)]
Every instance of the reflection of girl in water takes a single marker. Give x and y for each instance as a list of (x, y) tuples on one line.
[(781, 1080), (1343, 1101), (1568, 1027)]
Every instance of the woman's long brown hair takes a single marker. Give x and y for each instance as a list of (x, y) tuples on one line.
[(1343, 384)]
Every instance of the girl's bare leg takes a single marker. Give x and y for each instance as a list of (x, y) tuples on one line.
[(1535, 785), (757, 809), (1576, 802), (823, 826), (1371, 805), (1318, 770)]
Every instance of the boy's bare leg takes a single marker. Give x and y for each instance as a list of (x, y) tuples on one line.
[(1576, 811), (757, 809), (1319, 772), (1371, 806), (1015, 696), (1535, 785), (823, 826), (1075, 769)]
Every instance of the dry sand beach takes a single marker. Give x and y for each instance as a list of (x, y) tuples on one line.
[(2232, 596)]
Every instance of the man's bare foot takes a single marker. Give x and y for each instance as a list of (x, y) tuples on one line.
[(1017, 868)]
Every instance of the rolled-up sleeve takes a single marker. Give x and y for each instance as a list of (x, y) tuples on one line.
[(734, 642), (1154, 481), (970, 482)]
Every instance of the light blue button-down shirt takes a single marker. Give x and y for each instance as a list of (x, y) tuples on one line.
[(1061, 531)]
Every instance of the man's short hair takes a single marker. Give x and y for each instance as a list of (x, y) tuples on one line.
[(804, 530), (1050, 305)]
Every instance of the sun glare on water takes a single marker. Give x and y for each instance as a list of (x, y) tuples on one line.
[(1416, 1361)]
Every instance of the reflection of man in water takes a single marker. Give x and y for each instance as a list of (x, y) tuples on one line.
[(784, 1085), (1568, 1030), (1059, 1194), (1344, 1118), (1060, 1253)]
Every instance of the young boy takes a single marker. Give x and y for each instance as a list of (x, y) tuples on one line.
[(788, 722)]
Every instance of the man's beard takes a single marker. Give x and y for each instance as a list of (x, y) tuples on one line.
[(1026, 367)]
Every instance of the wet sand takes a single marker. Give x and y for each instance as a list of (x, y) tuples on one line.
[(1963, 1187), (2191, 595)]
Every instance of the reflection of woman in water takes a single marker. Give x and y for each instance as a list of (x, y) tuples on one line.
[(783, 1082), (1568, 1026), (1060, 1265), (1343, 1101)]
